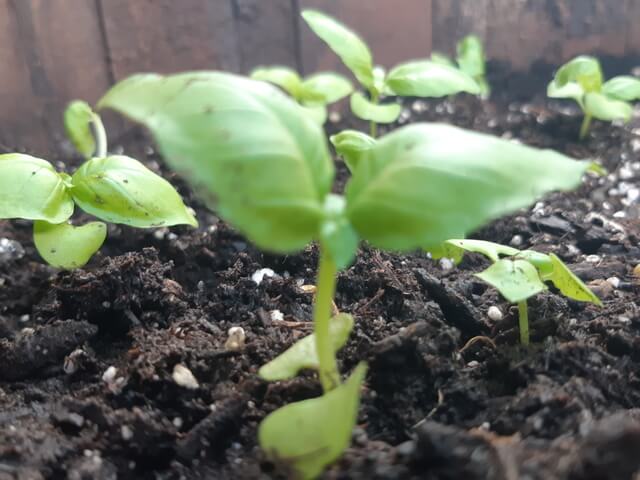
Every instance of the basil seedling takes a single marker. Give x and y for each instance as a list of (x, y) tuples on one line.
[(581, 79), (264, 164), (313, 93), (519, 275), (113, 188), (470, 59), (418, 78)]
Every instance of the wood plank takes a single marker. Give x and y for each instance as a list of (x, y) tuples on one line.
[(395, 31), (60, 47), (167, 36), (266, 32)]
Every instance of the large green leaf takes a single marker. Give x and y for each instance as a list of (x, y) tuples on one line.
[(366, 110), (329, 87), (247, 148), (350, 144), (426, 183), (30, 188), (77, 123), (605, 108), (625, 88), (302, 354), (120, 189), (345, 43), (425, 78), (66, 246), (516, 280), (304, 437), (568, 283)]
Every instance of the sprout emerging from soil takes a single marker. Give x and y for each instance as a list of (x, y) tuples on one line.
[(581, 79), (520, 274), (114, 188), (264, 165)]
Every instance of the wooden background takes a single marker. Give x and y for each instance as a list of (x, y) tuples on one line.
[(52, 51)]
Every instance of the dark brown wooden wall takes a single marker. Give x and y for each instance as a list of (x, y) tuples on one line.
[(52, 51)]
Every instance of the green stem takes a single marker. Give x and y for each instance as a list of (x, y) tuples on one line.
[(373, 126), (523, 318), (325, 290), (101, 136), (586, 123)]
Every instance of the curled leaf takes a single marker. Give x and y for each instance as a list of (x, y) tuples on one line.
[(350, 144), (569, 284), (367, 110), (493, 251), (77, 123), (66, 246)]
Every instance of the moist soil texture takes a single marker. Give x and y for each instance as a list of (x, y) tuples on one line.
[(92, 362)]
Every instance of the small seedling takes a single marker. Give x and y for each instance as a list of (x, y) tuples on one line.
[(470, 59), (264, 164), (417, 78), (581, 79), (519, 275), (115, 188), (314, 93)]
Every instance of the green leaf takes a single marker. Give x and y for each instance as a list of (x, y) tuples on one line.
[(442, 59), (569, 284), (424, 78), (304, 437), (568, 90), (583, 70), (283, 77), (66, 246), (604, 108), (30, 188), (426, 183), (366, 110), (516, 280), (493, 251), (77, 123), (625, 88), (471, 56), (353, 52), (539, 260), (350, 144), (302, 354), (329, 87), (336, 232), (249, 150), (120, 189), (318, 113)]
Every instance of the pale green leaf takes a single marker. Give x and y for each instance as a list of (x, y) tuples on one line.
[(327, 86), (605, 108), (425, 183), (625, 87), (366, 110), (441, 58), (305, 437), (30, 188), (471, 56), (350, 144), (66, 246), (516, 280), (539, 260), (583, 70), (345, 43), (493, 251), (424, 78), (318, 113), (120, 189), (78, 117), (569, 284), (283, 77), (302, 354), (445, 250), (249, 150), (568, 90)]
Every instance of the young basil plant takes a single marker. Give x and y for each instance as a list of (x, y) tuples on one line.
[(581, 79), (519, 275), (470, 59), (113, 188), (418, 78), (264, 164), (314, 93)]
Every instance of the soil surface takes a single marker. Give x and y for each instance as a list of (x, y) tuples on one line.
[(87, 358)]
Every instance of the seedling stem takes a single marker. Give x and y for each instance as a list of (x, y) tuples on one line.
[(586, 123), (523, 318), (325, 290), (373, 126), (101, 136)]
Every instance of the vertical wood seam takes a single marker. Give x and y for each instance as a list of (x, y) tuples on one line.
[(105, 42)]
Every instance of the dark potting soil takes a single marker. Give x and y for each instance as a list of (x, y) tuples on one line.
[(87, 358)]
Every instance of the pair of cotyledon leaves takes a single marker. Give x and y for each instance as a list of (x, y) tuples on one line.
[(255, 155), (520, 274), (420, 78), (581, 79)]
